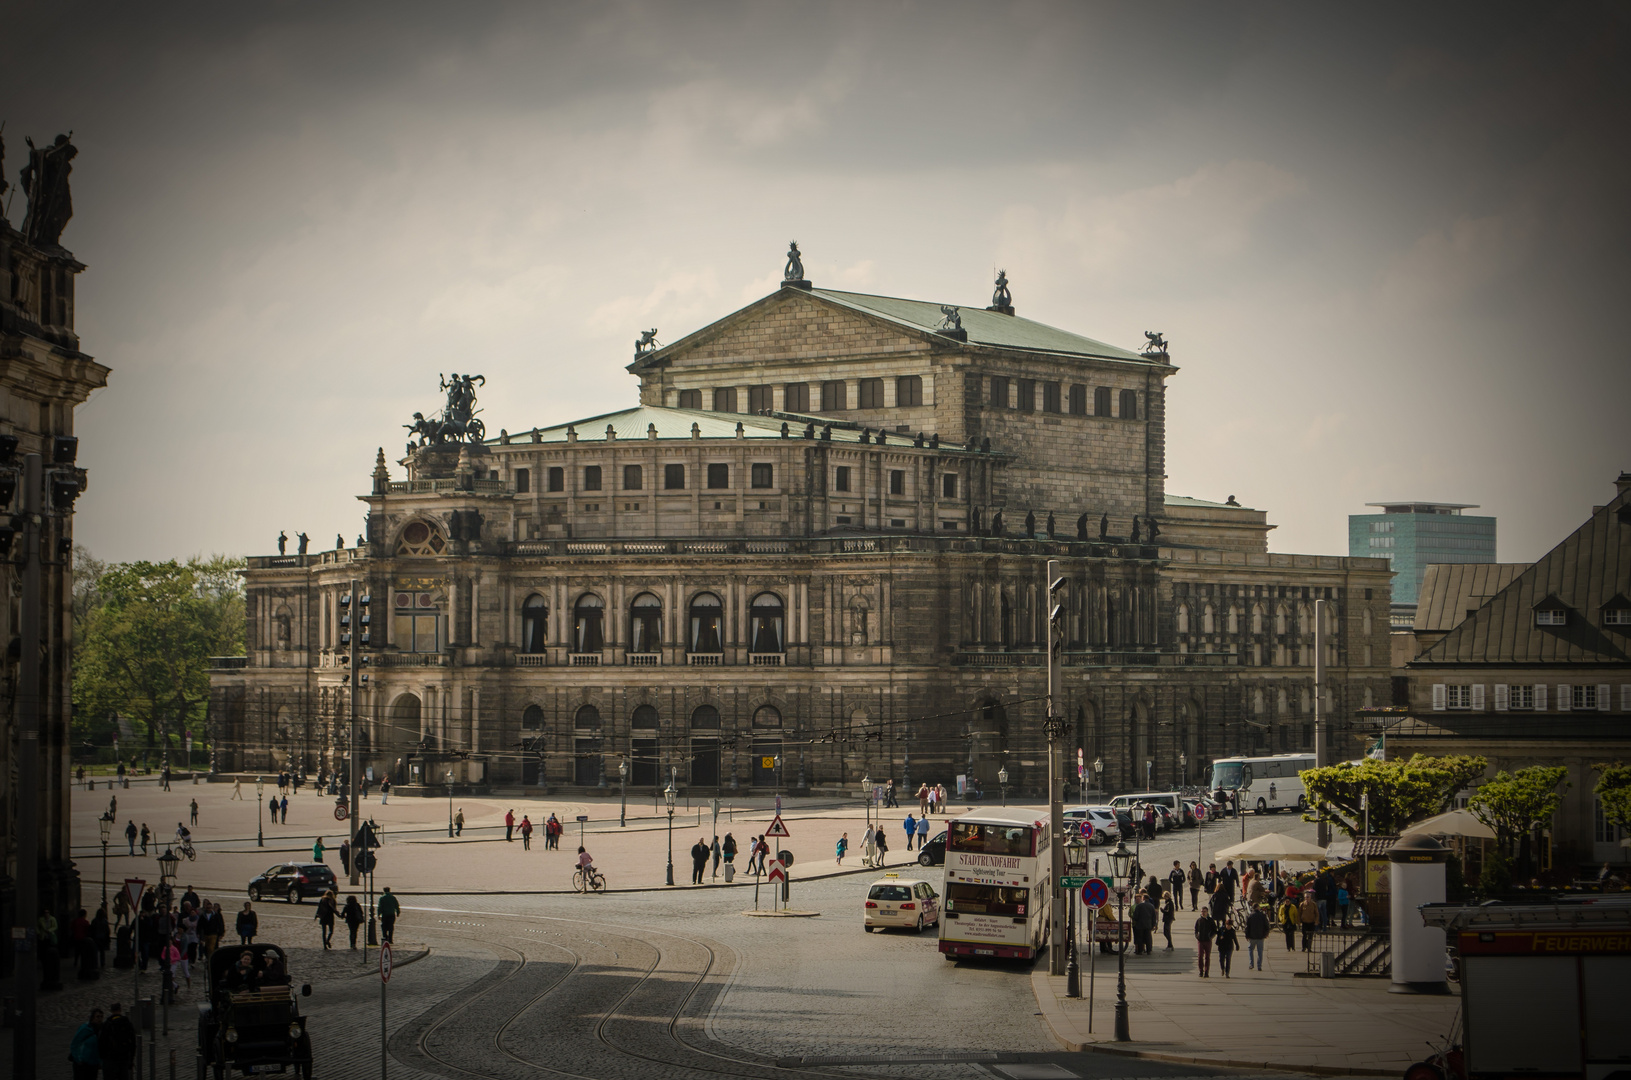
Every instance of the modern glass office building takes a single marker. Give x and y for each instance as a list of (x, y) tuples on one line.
[(1413, 534)]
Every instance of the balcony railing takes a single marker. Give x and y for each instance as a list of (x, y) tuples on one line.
[(704, 659), (846, 545), (531, 660), (416, 487), (644, 659), (228, 663), (410, 660), (767, 659), (585, 659)]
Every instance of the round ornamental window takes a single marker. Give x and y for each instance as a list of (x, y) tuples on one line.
[(421, 538), (416, 533), (404, 599), (425, 600)]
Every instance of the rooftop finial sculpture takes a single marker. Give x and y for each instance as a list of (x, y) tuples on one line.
[(45, 183), (1157, 346), (953, 317), (1001, 299), (459, 420), (646, 343), (795, 263)]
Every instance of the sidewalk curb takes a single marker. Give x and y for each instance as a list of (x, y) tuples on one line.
[(1055, 1021)]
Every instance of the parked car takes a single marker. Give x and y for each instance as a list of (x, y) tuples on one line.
[(933, 852), (251, 1022), (292, 881), (1106, 826), (909, 903)]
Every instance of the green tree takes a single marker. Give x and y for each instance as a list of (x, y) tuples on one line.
[(1512, 804), (1399, 793), (149, 631), (1613, 790)]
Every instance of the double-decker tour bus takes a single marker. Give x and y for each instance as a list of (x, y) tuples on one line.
[(998, 887), (1262, 783)]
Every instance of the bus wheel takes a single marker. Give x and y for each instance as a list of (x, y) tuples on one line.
[(1262, 806), (1302, 803)]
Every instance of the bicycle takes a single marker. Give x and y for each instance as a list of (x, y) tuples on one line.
[(591, 881), (185, 847)]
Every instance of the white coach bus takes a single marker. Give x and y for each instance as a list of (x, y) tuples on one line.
[(1264, 784), (998, 887)]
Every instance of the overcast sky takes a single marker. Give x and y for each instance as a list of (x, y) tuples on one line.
[(1388, 244)]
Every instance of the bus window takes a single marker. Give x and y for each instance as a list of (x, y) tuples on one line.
[(989, 839), (986, 899)]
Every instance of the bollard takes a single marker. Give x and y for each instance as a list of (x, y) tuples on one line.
[(1328, 965), (172, 1065)]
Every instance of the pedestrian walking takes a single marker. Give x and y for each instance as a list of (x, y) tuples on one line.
[(384, 790), (147, 834), (121, 908), (326, 912), (1175, 883), (1219, 903), (728, 849), (212, 927), (843, 846), (699, 860), (116, 1044), (317, 850), (762, 850), (923, 799), (101, 936), (940, 796), (271, 809), (509, 825), (526, 833), (1144, 920), (1257, 933), (130, 836), (882, 843), (1344, 898), (1206, 929), (911, 826), (889, 795), (715, 853), (389, 908), (248, 924), (1169, 911), (1228, 942), (345, 857), (283, 810), (866, 847), (1309, 910), (353, 917), (194, 820), (83, 1052), (237, 788), (1325, 895), (1288, 922), (1195, 881), (458, 825), (922, 832)]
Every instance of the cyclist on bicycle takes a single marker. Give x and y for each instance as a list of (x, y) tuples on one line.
[(586, 863), (183, 837)]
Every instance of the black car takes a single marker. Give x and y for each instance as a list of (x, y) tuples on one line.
[(293, 881), (933, 852), (251, 1019)]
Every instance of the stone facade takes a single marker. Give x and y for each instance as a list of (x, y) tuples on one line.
[(781, 599), (43, 376)]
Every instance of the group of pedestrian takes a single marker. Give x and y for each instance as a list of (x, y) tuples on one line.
[(329, 911), (931, 799), (103, 1044), (916, 829), (131, 836), (278, 809)]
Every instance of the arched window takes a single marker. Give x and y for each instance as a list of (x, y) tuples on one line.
[(532, 718), (645, 623), (1206, 620), (587, 718), (1257, 618), (706, 615), (644, 718), (1101, 401), (767, 716), (705, 718), (766, 620), (421, 538), (1183, 618), (588, 624), (1233, 620), (1280, 619), (1007, 623), (534, 624), (1129, 404)]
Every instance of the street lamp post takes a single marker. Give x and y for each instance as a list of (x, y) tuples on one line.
[(866, 786), (260, 812), (1120, 861), (450, 804), (668, 797), (623, 779), (1075, 862), (1002, 782), (1183, 769), (105, 824), (1098, 776)]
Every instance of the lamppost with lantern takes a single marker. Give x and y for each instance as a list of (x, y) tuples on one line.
[(1183, 769), (260, 812), (1120, 862), (450, 804), (1002, 782), (1098, 776), (866, 786), (105, 825), (623, 780), (668, 797), (1076, 864)]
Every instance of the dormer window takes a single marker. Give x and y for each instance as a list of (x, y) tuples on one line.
[(1551, 612), (1617, 612)]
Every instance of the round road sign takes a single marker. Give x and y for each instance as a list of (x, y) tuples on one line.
[(1087, 830), (385, 962), (340, 812), (1094, 893)]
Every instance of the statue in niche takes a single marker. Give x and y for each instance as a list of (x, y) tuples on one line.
[(1104, 527), (1000, 297), (1081, 527), (794, 271), (1050, 524), (282, 543), (975, 518), (45, 183), (1030, 524), (997, 528)]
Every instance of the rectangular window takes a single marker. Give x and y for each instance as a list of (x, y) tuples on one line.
[(1078, 400), (632, 478), (673, 477), (725, 399), (948, 485), (719, 476), (416, 633), (1027, 395), (833, 397), (840, 478), (1556, 617), (871, 393), (1458, 697), (591, 478), (999, 392), (1617, 617), (690, 399), (1050, 398), (759, 399), (557, 478), (1129, 404), (796, 397), (523, 481), (1521, 697), (1584, 697), (908, 391), (764, 475), (897, 481), (1101, 401)]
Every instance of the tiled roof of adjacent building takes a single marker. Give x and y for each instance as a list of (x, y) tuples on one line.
[(1450, 591), (1585, 572)]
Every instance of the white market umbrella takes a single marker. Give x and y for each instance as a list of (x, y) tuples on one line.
[(1276, 847), (1454, 823)]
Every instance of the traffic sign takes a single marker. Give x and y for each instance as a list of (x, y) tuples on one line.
[(777, 871), (133, 889), (583, 817), (1200, 811), (777, 828), (340, 811), (385, 962), (1094, 893), (1073, 881), (1087, 829)]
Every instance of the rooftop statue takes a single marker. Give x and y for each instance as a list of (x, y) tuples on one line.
[(459, 419), (795, 263), (646, 343), (45, 183), (953, 318), (1000, 297), (1157, 344)]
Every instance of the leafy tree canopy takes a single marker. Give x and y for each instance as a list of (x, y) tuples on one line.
[(1614, 789), (144, 633), (1399, 793), (1512, 802)]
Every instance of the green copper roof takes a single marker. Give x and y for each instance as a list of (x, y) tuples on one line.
[(984, 327), (633, 425)]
